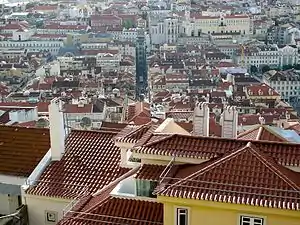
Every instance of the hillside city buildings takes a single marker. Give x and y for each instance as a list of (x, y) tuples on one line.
[(149, 112)]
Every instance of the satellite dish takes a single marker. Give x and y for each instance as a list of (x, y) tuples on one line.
[(42, 122), (85, 122)]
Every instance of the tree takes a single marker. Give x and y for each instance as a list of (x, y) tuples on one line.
[(297, 67), (287, 67), (128, 24), (265, 68), (253, 69)]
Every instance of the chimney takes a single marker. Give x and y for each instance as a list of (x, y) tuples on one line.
[(229, 122), (201, 119), (57, 130)]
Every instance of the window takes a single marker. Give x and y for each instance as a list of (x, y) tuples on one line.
[(250, 220), (145, 188), (181, 216)]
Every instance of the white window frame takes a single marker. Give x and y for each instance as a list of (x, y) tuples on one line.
[(252, 217), (176, 217)]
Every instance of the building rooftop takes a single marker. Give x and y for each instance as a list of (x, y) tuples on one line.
[(21, 149), (91, 161), (242, 176)]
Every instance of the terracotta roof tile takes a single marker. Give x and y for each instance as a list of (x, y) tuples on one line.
[(261, 90), (244, 176), (72, 108), (261, 133), (132, 134), (150, 172), (91, 161), (27, 124), (209, 147), (139, 113), (21, 149), (113, 210), (42, 106)]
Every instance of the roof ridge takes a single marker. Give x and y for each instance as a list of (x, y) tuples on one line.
[(248, 131), (258, 154), (139, 127), (95, 131), (168, 136), (275, 133)]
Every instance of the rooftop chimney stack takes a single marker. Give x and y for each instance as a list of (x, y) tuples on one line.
[(201, 119), (57, 129), (229, 122)]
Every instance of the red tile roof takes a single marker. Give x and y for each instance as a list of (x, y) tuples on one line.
[(42, 106), (72, 108), (209, 147), (91, 161), (261, 90), (253, 119), (113, 210), (244, 176), (261, 133), (21, 149), (65, 27), (150, 172), (27, 124), (139, 113), (132, 134), (110, 126)]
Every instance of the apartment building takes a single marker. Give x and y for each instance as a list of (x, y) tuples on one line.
[(286, 83), (198, 23), (31, 42), (164, 31)]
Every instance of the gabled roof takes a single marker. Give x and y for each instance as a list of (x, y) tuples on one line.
[(267, 133), (91, 161), (132, 133), (21, 149), (210, 147), (243, 176), (261, 133)]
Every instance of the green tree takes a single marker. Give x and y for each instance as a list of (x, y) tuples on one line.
[(128, 24), (253, 69), (265, 68), (297, 66), (287, 67)]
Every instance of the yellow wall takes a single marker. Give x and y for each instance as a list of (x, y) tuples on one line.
[(214, 213)]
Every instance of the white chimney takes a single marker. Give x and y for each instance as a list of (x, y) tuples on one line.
[(229, 122), (57, 130), (201, 119)]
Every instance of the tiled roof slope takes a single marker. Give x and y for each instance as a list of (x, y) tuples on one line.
[(132, 134), (91, 161), (150, 172), (21, 149), (244, 176), (261, 133), (209, 147), (113, 210)]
